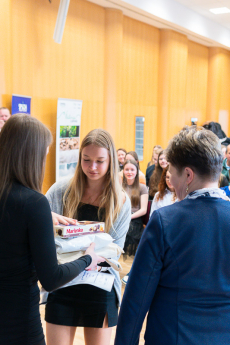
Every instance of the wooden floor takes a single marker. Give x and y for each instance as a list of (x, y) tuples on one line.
[(79, 338)]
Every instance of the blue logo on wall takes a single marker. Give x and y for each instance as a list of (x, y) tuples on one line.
[(22, 108), (20, 104)]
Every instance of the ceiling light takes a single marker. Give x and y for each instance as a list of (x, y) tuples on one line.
[(61, 19), (220, 10)]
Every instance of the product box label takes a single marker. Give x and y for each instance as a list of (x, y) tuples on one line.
[(81, 228)]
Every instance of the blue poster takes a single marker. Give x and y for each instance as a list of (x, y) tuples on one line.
[(20, 104)]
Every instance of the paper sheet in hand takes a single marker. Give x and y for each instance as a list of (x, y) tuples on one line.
[(101, 280)]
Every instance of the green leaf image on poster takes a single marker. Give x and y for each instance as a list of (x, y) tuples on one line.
[(69, 131)]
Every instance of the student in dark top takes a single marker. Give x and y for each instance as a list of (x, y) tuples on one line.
[(154, 155), (156, 176), (27, 248), (151, 167)]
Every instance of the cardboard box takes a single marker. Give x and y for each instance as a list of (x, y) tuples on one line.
[(81, 228)]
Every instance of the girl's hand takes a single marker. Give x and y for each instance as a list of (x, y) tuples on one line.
[(95, 258), (58, 219)]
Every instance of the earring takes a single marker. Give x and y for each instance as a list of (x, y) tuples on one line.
[(187, 189)]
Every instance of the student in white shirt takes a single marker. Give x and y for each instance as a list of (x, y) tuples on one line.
[(166, 194)]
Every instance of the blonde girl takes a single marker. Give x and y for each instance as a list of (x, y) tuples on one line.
[(94, 193)]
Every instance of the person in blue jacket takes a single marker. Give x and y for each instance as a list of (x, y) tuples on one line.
[(180, 275)]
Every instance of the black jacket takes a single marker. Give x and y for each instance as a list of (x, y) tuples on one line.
[(148, 173)]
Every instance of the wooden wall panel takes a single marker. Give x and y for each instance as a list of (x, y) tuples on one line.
[(5, 49), (172, 84), (159, 74), (113, 68), (218, 98), (197, 82), (46, 112), (139, 85), (46, 70)]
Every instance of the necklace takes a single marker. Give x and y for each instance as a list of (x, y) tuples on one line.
[(91, 199)]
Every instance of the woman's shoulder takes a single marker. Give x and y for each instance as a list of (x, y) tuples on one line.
[(143, 189), (141, 173), (142, 178), (59, 186), (124, 195), (192, 209), (126, 203), (26, 198), (24, 192), (155, 199)]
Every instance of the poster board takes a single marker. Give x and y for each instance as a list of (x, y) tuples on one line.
[(21, 104), (67, 136)]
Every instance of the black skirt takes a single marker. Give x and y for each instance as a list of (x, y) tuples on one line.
[(82, 306), (133, 236)]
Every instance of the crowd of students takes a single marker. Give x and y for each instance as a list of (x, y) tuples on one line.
[(143, 192), (153, 192), (107, 186)]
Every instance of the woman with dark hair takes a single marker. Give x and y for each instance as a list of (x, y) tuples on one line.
[(166, 194), (180, 275), (138, 194), (151, 168), (27, 248), (156, 175)]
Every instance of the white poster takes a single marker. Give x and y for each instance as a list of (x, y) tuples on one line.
[(68, 136)]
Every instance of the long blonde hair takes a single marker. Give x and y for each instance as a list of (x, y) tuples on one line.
[(111, 198)]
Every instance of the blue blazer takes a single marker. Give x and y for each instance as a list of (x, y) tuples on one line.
[(181, 277)]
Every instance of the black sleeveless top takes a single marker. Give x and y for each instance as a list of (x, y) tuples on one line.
[(90, 212), (83, 305)]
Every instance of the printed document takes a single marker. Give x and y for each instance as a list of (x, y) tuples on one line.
[(101, 280)]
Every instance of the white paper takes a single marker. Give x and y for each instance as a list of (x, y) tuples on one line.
[(101, 280), (68, 245)]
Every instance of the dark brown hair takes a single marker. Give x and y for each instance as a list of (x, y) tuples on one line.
[(155, 177), (198, 149), (124, 150), (162, 187), (135, 196), (23, 147), (135, 156)]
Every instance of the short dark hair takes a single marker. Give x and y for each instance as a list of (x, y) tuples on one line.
[(197, 148)]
